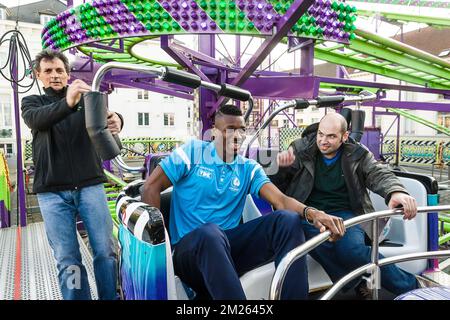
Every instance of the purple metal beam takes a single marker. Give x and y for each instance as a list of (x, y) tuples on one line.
[(4, 215), (307, 58), (109, 46), (385, 113), (283, 88), (389, 86), (162, 90), (412, 105), (89, 61), (237, 70), (158, 87), (125, 78), (20, 177), (197, 55), (284, 25), (207, 45), (180, 57)]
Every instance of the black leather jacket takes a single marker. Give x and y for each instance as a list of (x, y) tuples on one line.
[(361, 172), (63, 155)]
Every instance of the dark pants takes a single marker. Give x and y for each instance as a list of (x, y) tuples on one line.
[(210, 260), (351, 252)]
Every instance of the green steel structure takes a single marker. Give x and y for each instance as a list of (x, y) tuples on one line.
[(362, 50), (436, 22), (375, 54), (413, 3), (121, 51), (408, 115), (93, 22)]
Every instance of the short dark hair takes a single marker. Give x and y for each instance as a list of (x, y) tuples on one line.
[(228, 109), (48, 54)]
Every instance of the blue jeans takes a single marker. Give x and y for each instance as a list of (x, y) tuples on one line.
[(351, 252), (59, 211), (210, 260)]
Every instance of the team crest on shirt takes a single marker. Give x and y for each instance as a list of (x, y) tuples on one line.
[(235, 183)]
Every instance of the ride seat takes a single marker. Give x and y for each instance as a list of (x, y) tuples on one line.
[(406, 236)]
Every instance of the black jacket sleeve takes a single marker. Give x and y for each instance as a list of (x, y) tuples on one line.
[(379, 179), (42, 117)]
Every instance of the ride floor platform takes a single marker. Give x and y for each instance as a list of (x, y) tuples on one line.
[(28, 269)]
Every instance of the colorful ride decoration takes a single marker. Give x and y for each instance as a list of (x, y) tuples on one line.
[(137, 147), (5, 192), (417, 3), (112, 19), (144, 250), (446, 152), (418, 151), (142, 145), (287, 135)]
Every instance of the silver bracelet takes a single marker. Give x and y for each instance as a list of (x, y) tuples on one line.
[(305, 214)]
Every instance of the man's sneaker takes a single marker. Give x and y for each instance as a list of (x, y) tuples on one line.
[(425, 282), (363, 291)]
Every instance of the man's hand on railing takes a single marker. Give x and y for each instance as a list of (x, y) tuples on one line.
[(323, 222), (400, 199)]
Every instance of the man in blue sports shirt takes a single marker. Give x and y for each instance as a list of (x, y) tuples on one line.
[(211, 182)]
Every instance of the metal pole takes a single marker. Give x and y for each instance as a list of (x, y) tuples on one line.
[(20, 178), (383, 262), (397, 147), (375, 273)]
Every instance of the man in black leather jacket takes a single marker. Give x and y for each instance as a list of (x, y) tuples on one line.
[(69, 177), (327, 170)]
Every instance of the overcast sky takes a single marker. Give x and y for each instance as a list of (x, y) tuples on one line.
[(15, 3)]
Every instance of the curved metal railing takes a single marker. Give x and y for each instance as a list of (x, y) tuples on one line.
[(300, 251), (323, 101), (173, 76)]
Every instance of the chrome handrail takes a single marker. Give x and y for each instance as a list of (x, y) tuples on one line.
[(363, 96), (300, 251), (361, 270)]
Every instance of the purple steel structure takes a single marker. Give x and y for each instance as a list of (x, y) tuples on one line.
[(4, 216), (197, 17), (20, 177), (296, 10)]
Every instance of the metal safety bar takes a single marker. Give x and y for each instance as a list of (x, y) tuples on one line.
[(173, 76), (300, 251), (322, 101)]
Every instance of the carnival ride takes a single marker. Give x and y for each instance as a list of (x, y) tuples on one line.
[(109, 31)]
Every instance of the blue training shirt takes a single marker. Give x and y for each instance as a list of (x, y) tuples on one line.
[(206, 189)]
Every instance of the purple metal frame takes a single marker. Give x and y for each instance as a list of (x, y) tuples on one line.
[(109, 46), (265, 84), (283, 88), (412, 105), (295, 11), (4, 216), (380, 85), (207, 46), (20, 177), (179, 57)]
